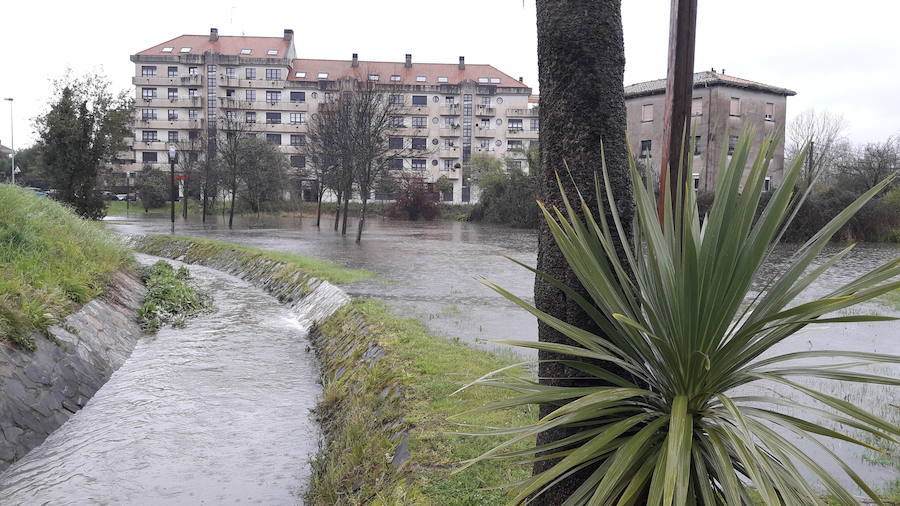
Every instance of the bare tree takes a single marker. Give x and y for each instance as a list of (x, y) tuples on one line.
[(232, 135), (869, 164), (827, 134), (263, 172), (191, 158)]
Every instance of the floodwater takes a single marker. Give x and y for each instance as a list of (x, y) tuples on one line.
[(430, 271), (215, 413)]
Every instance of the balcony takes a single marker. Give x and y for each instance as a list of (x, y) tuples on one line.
[(262, 126), (410, 132), (157, 145), (485, 132), (522, 113), (190, 79), (413, 109), (451, 132), (451, 110), (168, 102), (450, 173), (162, 124), (484, 110), (454, 152), (521, 133), (155, 81)]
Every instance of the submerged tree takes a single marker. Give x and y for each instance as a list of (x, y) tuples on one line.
[(263, 173), (84, 128)]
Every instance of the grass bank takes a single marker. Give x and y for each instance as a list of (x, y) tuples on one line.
[(196, 250), (51, 261), (418, 373)]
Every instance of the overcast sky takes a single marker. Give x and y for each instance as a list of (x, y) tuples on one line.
[(839, 56)]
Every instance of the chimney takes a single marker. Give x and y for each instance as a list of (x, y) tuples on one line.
[(462, 62), (355, 60), (521, 80), (288, 34), (408, 63), (213, 34)]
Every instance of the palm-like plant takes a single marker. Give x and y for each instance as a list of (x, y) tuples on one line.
[(670, 429)]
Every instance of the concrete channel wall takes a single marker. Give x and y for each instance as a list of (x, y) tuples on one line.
[(40, 390)]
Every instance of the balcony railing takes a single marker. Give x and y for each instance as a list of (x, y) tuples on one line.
[(522, 113), (485, 110)]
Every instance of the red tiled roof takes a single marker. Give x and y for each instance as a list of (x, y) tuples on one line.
[(227, 45), (337, 69)]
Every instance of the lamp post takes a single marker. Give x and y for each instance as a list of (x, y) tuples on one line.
[(127, 191), (173, 157), (12, 141)]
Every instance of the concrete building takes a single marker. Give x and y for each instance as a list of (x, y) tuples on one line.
[(722, 107), (185, 86)]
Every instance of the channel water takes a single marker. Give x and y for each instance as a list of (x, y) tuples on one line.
[(218, 412)]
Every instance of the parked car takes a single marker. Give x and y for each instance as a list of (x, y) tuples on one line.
[(109, 196), (121, 196)]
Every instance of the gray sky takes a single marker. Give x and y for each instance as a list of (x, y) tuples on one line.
[(840, 57)]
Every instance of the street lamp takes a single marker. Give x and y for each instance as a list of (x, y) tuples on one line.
[(173, 157), (12, 141)]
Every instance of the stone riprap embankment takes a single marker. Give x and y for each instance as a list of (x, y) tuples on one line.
[(41, 389)]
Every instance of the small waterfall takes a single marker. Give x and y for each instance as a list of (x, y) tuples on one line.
[(324, 300)]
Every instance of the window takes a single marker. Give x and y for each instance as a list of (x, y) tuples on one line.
[(250, 95), (495, 80), (515, 125), (192, 71), (298, 96), (297, 118), (148, 156), (770, 111), (419, 143), (395, 78), (373, 77), (442, 79), (172, 93), (397, 122), (486, 101), (535, 124), (148, 71), (272, 52), (273, 96), (193, 114), (329, 97), (298, 140), (250, 117), (250, 73), (230, 72), (646, 146), (484, 123), (450, 100), (273, 74), (448, 164), (697, 150), (514, 144), (148, 93), (486, 143), (419, 100), (229, 93), (149, 136), (483, 80), (185, 50), (246, 51), (735, 109), (193, 135), (230, 116), (395, 142), (449, 122), (300, 74), (697, 106), (173, 136), (273, 118), (732, 142), (449, 143), (696, 180), (419, 122), (172, 72), (421, 79), (396, 164), (395, 99), (148, 114), (647, 112), (167, 49), (767, 184), (173, 114), (192, 92), (322, 75), (298, 161), (418, 164), (273, 138)]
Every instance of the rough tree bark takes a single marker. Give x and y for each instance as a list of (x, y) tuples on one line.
[(337, 211), (581, 63)]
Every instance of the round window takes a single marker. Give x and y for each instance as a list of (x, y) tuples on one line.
[(434, 141), (315, 95), (499, 100), (497, 143), (434, 121), (315, 115), (435, 99), (434, 162), (499, 121)]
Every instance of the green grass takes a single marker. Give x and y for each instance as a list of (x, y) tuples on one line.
[(51, 261), (195, 250), (427, 369), (170, 298)]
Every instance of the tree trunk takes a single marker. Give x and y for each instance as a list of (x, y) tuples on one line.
[(348, 194), (318, 208), (581, 63), (362, 216), (233, 193), (205, 190), (337, 211)]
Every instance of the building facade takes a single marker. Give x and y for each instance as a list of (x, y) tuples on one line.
[(186, 87), (722, 107)]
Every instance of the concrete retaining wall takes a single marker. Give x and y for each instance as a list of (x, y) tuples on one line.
[(40, 390)]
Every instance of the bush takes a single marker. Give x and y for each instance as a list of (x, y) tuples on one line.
[(414, 201), (169, 297), (153, 188), (509, 200)]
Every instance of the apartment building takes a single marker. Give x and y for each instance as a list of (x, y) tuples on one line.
[(722, 106), (186, 86)]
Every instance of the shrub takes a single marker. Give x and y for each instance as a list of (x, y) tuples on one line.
[(670, 428), (414, 201), (153, 190), (169, 297)]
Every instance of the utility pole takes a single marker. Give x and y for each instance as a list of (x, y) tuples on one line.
[(173, 157), (679, 91)]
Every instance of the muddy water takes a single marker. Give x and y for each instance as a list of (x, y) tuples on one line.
[(430, 271), (216, 413)]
